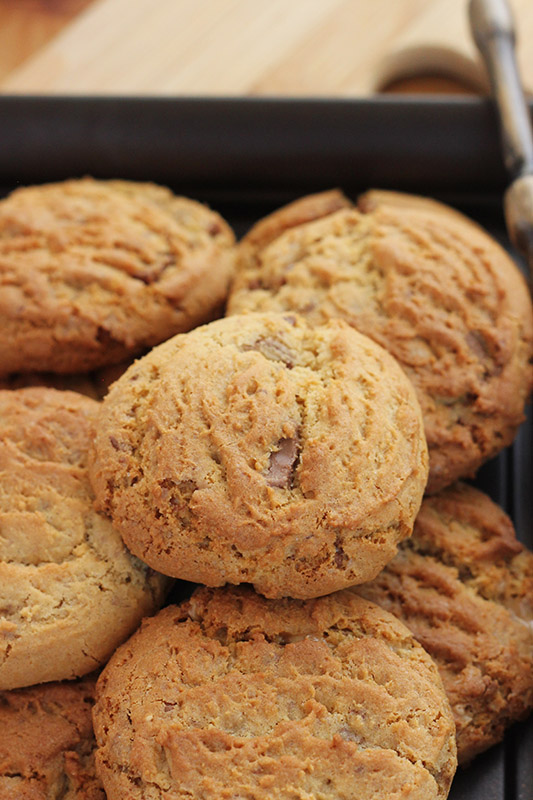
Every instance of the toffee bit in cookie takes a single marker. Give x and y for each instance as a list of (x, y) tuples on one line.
[(273, 349), (282, 464), (290, 318), (340, 556), (478, 344), (214, 229), (118, 445)]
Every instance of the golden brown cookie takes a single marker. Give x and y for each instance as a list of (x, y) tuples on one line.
[(92, 272), (47, 743), (231, 695), (463, 585), (433, 289), (70, 592), (259, 450)]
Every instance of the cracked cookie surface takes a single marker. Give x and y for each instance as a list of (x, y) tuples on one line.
[(463, 585), (94, 271), (70, 592), (425, 283), (231, 695), (47, 743), (259, 450)]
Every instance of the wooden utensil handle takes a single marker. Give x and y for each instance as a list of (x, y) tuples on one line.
[(493, 30)]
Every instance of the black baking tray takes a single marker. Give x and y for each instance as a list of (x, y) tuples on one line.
[(248, 156)]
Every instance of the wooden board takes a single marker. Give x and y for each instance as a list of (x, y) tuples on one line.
[(240, 47)]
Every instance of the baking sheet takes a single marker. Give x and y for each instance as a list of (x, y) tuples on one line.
[(248, 156)]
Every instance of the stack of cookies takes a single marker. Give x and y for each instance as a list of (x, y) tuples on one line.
[(365, 618), (91, 273)]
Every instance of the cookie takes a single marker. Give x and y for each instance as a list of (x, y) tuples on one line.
[(47, 743), (92, 272), (463, 585), (70, 592), (259, 450), (433, 289), (231, 695)]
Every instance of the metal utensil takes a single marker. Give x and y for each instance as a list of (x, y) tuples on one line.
[(493, 30)]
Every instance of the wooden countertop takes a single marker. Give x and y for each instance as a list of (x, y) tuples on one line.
[(243, 47)]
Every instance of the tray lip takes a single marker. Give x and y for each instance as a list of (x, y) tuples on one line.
[(43, 135), (383, 99), (415, 100)]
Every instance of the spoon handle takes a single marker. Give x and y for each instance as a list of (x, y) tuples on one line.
[(492, 27)]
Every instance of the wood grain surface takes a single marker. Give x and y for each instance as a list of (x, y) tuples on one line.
[(244, 47)]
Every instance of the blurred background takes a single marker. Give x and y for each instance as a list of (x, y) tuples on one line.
[(245, 47)]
